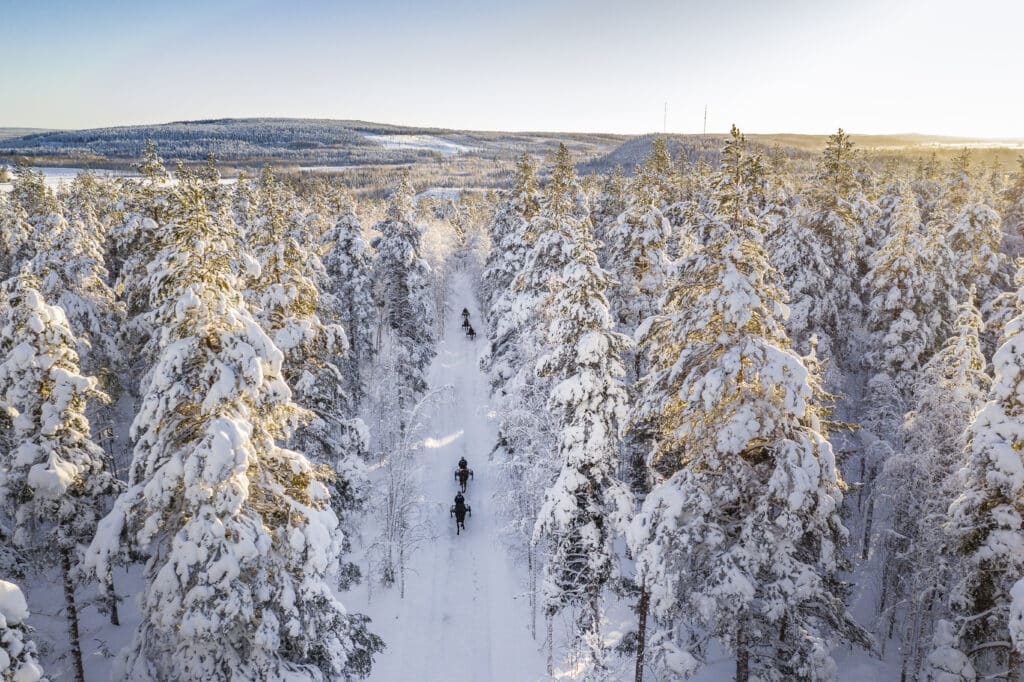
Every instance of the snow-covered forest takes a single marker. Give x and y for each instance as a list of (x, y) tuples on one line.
[(747, 415)]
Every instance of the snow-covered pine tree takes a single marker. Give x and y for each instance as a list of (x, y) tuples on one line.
[(348, 296), (985, 521), (637, 251), (835, 215), (605, 209), (972, 229), (71, 273), (911, 294), (586, 507), (132, 245), (528, 432), (1013, 200), (18, 659), (55, 482), (507, 229), (287, 300), (637, 257), (509, 247), (240, 536), (402, 290), (920, 482), (740, 539)]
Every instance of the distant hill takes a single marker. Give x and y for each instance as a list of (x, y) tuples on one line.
[(331, 143), (634, 150), (6, 133), (311, 142)]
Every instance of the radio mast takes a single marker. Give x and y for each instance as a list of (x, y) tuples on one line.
[(705, 119), (664, 120)]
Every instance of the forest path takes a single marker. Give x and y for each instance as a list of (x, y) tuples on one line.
[(464, 617)]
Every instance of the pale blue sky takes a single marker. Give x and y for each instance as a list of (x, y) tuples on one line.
[(872, 66)]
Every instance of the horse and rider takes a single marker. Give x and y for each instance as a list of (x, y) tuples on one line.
[(460, 509), (463, 474), (470, 332)]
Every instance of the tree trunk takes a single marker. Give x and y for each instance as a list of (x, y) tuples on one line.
[(641, 633), (1013, 665), (551, 646), (533, 592), (115, 619), (71, 611), (868, 520), (742, 656)]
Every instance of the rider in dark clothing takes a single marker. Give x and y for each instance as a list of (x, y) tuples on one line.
[(463, 464), (460, 503), (465, 314)]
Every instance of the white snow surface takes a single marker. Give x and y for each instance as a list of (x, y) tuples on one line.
[(465, 614), (12, 603), (428, 143)]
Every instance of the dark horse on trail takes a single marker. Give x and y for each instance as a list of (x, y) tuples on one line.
[(459, 510), (462, 475)]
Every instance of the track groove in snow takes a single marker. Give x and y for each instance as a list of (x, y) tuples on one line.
[(461, 620)]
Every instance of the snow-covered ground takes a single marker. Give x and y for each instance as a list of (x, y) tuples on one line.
[(428, 143), (463, 618), (54, 177)]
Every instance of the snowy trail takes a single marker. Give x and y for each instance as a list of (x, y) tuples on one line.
[(462, 619)]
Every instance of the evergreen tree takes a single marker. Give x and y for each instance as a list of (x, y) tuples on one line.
[(985, 520), (920, 482), (838, 218), (911, 302), (971, 228), (403, 293), (586, 504), (741, 537), (348, 296), (240, 536), (18, 658), (55, 482), (509, 230)]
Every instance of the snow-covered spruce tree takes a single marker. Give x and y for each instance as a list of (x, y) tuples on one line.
[(972, 229), (507, 228), (132, 245), (807, 270), (18, 659), (985, 521), (637, 251), (402, 291), (605, 209), (836, 217), (55, 482), (911, 294), (920, 482), (239, 533), (740, 539), (509, 247), (33, 214), (586, 507), (287, 301), (348, 296), (1013, 200), (15, 233), (528, 431), (72, 276)]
